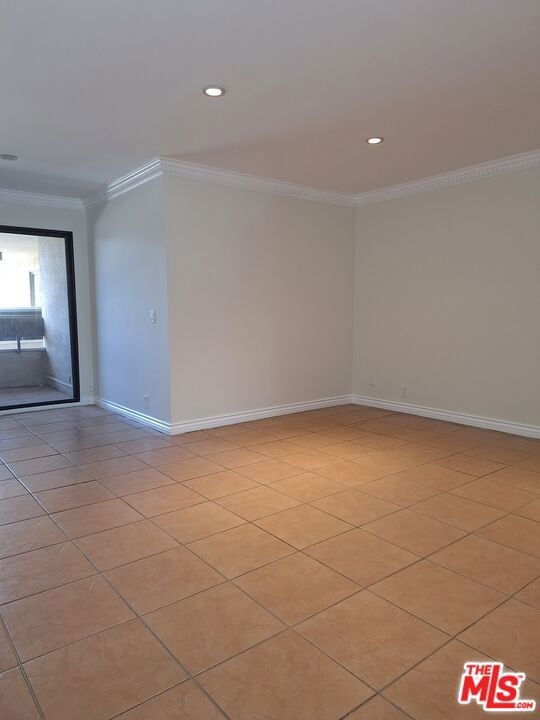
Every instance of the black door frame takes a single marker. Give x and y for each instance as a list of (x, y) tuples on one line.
[(72, 309)]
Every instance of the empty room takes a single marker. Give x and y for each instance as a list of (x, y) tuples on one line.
[(269, 360)]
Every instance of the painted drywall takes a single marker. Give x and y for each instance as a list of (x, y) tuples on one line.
[(447, 299), (22, 214), (129, 269), (260, 298)]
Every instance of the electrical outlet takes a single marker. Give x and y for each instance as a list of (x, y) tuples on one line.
[(146, 402), (153, 317), (404, 391)]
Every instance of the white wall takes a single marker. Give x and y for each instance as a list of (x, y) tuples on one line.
[(260, 297), (36, 216), (447, 298), (129, 267)]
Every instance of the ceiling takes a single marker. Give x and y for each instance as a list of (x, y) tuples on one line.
[(92, 90)]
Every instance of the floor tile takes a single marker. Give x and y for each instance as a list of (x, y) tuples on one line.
[(398, 490), (458, 511), (296, 587), (440, 478), (28, 535), (15, 698), (447, 600), (378, 709), (125, 544), (137, 481), (163, 499), (38, 465), (55, 479), (531, 463), (19, 508), (183, 702), (315, 441), (257, 502), (350, 473), (189, 469), (5, 474), (345, 450), (27, 453), (155, 581), (530, 594), (165, 456), (134, 447), (429, 691), (95, 518), (511, 633), (470, 465), (518, 478), (361, 556), (232, 459), (414, 532), (311, 459), (497, 454), (514, 442), (220, 484), (84, 457), (372, 638), (355, 506), (39, 570), (494, 494), (198, 521), (497, 566), (307, 487), (269, 471), (73, 496), (187, 437), (210, 627), (515, 532), (277, 448), (303, 526), (240, 550), (47, 621), (103, 675), (114, 466), (11, 488), (286, 678), (210, 446), (7, 656)]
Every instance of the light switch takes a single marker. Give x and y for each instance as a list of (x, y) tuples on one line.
[(153, 317)]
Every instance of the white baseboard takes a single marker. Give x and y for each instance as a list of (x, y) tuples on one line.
[(135, 415), (246, 416), (506, 426), (219, 420), (207, 423)]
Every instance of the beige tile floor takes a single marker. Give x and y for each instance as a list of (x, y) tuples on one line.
[(339, 563)]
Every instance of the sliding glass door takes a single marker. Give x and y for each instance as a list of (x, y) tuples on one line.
[(38, 319)]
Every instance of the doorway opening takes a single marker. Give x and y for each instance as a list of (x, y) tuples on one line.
[(39, 361)]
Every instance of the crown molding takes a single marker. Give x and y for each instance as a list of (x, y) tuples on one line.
[(455, 177), (50, 201), (181, 168), (124, 184)]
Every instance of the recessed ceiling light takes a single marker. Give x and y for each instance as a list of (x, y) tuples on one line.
[(374, 140), (7, 156), (214, 91)]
